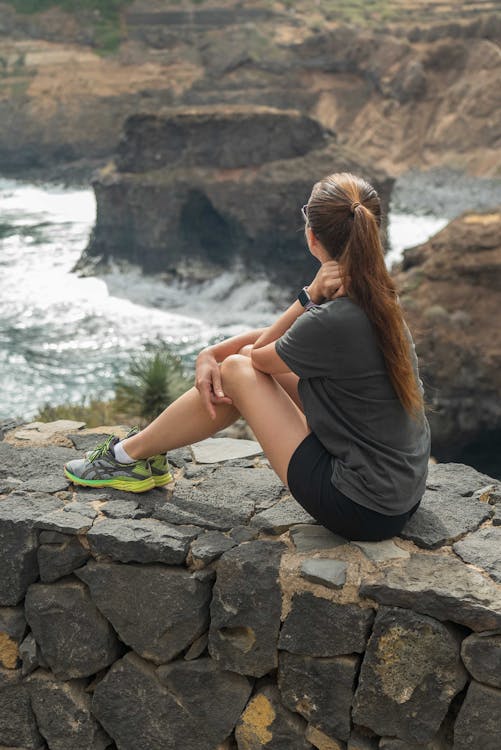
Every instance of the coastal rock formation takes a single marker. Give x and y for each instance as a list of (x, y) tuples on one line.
[(450, 288), (202, 189), (256, 644), (404, 84)]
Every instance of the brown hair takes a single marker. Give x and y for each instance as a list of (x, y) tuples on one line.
[(344, 212)]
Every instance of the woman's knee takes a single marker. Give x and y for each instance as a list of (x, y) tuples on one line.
[(234, 369)]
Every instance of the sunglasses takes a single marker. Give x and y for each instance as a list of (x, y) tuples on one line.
[(304, 211)]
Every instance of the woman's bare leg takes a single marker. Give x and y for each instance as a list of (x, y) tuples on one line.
[(183, 422), (278, 424), (288, 380)]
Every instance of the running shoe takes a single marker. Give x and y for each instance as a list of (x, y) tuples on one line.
[(101, 469), (160, 468)]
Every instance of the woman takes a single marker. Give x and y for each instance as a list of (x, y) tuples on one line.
[(331, 390)]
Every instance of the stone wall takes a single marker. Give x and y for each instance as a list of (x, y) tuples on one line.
[(218, 615)]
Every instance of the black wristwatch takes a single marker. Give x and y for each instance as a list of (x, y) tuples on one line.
[(305, 299)]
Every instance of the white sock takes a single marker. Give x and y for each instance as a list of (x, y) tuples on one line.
[(121, 454)]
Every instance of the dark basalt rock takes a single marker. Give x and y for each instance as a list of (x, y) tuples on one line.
[(320, 689), (18, 728), (267, 722), (74, 637), (477, 724), (481, 654), (196, 711), (440, 586), (245, 608), (143, 540), (319, 627), (63, 713), (410, 673), (482, 548), (177, 603), (61, 558), (19, 541)]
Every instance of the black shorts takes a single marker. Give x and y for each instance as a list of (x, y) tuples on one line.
[(309, 479)]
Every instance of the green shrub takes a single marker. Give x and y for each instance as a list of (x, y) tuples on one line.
[(94, 413), (153, 381)]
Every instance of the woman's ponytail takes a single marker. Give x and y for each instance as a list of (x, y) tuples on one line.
[(344, 213)]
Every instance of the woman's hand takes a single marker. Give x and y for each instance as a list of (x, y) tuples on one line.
[(208, 382), (328, 283)]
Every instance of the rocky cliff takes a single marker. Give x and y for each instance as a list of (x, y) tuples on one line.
[(402, 84), (197, 190), (218, 615), (450, 288)]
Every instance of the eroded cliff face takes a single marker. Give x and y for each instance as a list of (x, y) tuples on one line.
[(406, 86), (451, 288), (197, 190)]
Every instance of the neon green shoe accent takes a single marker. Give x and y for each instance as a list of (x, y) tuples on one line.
[(118, 483), (160, 470)]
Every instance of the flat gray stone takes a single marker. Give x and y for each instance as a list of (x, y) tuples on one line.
[(144, 540), (86, 441), (35, 463), (63, 713), (61, 558), (381, 551), (309, 537), (330, 573), (66, 522), (35, 431), (196, 711), (321, 690), (283, 730), (438, 585), (122, 509), (74, 637), (245, 608), (481, 654), (214, 450), (243, 533), (443, 516), (53, 483), (209, 546), (175, 600), (477, 724), (19, 541), (18, 728), (281, 516), (332, 629), (459, 479), (222, 500), (483, 549), (410, 673)]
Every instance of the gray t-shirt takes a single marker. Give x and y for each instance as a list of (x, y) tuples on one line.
[(380, 454)]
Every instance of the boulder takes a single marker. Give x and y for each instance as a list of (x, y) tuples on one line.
[(481, 654), (320, 689), (319, 627), (410, 673), (189, 705), (245, 608), (74, 638), (18, 728), (440, 586), (177, 603), (63, 713), (477, 724)]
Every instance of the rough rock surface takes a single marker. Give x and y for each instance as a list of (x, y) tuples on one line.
[(407, 84), (279, 634), (410, 673), (245, 608), (177, 603), (449, 291)]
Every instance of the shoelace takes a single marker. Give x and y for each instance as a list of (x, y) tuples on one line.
[(100, 449)]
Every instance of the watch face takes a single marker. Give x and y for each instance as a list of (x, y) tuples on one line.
[(303, 297)]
